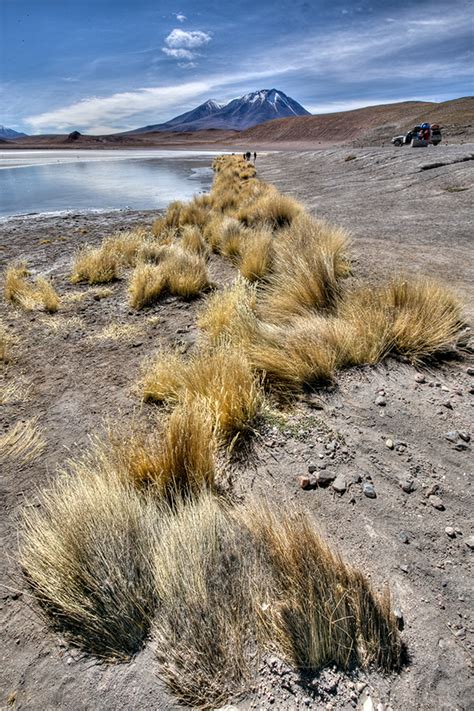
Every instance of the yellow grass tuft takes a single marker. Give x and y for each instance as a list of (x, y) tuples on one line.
[(47, 295), (23, 442), (257, 254), (221, 377), (221, 309), (193, 241), (178, 272), (87, 555), (20, 292), (95, 265), (6, 343), (272, 209)]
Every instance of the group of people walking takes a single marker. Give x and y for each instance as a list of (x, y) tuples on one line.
[(248, 156)]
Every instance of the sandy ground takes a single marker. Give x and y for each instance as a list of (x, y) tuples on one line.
[(71, 375)]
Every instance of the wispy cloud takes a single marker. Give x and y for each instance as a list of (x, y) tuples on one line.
[(180, 17)]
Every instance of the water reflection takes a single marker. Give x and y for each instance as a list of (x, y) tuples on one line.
[(105, 182)]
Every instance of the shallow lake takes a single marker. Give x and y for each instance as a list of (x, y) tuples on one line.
[(53, 180)]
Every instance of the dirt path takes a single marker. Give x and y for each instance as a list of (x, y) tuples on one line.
[(71, 375)]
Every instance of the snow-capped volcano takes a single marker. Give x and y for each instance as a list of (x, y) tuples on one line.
[(241, 113)]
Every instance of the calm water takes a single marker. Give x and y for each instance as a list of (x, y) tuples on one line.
[(53, 180)]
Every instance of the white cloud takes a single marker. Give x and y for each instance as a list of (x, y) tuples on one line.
[(106, 111), (180, 17), (180, 38), (178, 53)]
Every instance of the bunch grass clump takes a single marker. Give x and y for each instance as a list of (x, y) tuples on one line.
[(21, 292), (219, 314), (220, 376)]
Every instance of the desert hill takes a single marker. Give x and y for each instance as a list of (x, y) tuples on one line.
[(372, 125)]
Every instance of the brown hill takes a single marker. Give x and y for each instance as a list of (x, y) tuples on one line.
[(373, 124)]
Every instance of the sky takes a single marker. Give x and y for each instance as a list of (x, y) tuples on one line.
[(102, 66)]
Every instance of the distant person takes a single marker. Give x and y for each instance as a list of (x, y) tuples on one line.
[(244, 156), (254, 156), (248, 155)]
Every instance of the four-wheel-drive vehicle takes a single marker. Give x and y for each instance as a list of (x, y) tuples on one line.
[(420, 136)]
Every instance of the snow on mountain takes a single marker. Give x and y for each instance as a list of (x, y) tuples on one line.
[(9, 134), (241, 113)]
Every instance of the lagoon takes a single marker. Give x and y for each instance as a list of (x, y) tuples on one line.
[(50, 181)]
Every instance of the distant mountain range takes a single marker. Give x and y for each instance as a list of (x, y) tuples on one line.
[(239, 114), (8, 134)]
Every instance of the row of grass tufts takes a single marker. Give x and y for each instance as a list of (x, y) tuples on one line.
[(134, 541)]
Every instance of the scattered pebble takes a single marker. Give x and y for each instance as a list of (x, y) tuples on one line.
[(452, 436), (403, 537), (436, 502), (389, 443), (420, 378), (380, 401), (339, 484), (304, 481), (369, 490), (312, 467), (464, 435), (470, 542), (407, 484), (325, 477), (449, 531), (470, 371)]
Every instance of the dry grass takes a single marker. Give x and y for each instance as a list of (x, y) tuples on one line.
[(179, 272), (193, 241), (315, 608), (87, 554), (95, 265), (221, 309), (220, 376), (20, 292), (6, 343), (271, 209), (147, 284), (23, 442), (257, 254), (427, 316), (232, 237)]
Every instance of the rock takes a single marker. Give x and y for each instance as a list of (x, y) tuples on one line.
[(339, 484), (465, 436), (436, 502), (470, 371), (469, 542), (407, 484), (355, 479), (399, 618), (461, 446), (369, 490), (420, 378), (445, 389), (312, 467), (449, 531), (448, 404), (389, 443), (452, 436), (380, 401), (325, 477), (368, 705), (404, 568), (331, 446), (304, 482)]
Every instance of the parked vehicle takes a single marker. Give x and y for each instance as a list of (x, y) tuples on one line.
[(421, 135)]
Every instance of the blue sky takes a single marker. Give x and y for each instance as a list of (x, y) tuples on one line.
[(101, 66)]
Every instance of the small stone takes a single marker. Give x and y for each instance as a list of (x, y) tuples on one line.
[(137, 344), (325, 477), (404, 568), (403, 537), (465, 436), (407, 484), (445, 389), (448, 404), (389, 443), (312, 467), (369, 490), (360, 686), (304, 482), (449, 531), (470, 371), (461, 446), (368, 705), (452, 436), (339, 484), (380, 401), (331, 446), (436, 502), (469, 542), (355, 479), (399, 618), (420, 378)]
